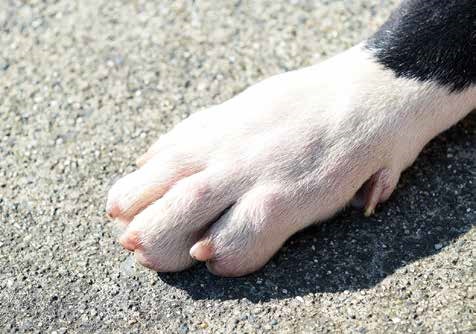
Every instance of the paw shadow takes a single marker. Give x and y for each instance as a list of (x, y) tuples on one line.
[(434, 204)]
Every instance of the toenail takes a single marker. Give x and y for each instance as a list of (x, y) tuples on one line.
[(112, 210), (130, 240), (202, 251), (369, 211)]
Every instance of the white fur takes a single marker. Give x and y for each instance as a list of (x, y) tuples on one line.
[(287, 152)]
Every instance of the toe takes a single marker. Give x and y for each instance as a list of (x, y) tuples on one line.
[(202, 250), (130, 240), (248, 235), (112, 210), (376, 189), (174, 223), (135, 191)]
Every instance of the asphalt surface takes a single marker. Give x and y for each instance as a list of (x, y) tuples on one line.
[(86, 86)]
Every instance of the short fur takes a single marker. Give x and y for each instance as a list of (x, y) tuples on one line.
[(430, 40)]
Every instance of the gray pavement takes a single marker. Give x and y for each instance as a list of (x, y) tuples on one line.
[(86, 86)]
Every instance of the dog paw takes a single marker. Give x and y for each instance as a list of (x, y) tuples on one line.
[(230, 184)]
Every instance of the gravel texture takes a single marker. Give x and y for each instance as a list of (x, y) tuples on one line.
[(87, 85)]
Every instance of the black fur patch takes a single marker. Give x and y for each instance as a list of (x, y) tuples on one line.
[(430, 40)]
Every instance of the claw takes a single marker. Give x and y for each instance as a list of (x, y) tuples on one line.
[(202, 251), (130, 240), (369, 211), (375, 190)]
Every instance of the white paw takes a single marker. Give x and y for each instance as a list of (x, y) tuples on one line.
[(230, 184)]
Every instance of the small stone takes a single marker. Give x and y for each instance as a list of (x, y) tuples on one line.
[(438, 246), (183, 329), (396, 320)]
